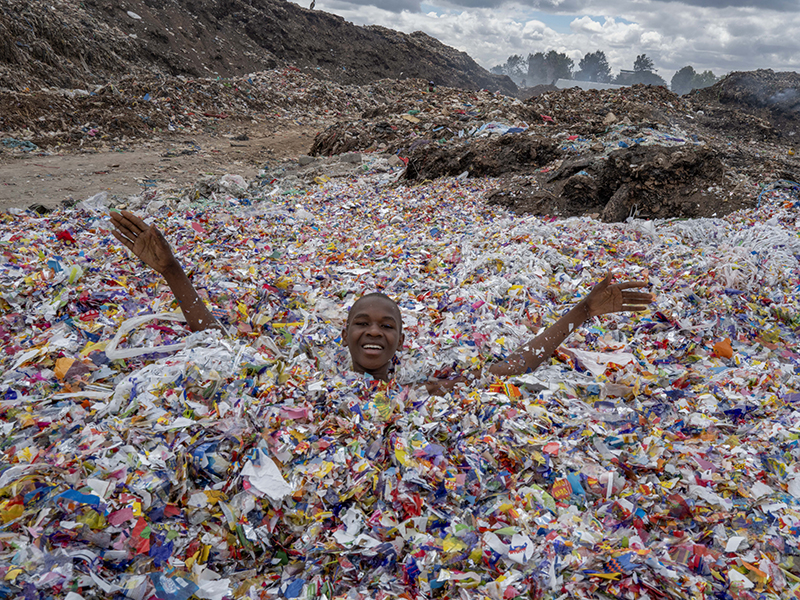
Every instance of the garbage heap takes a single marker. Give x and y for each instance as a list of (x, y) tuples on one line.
[(753, 99), (640, 150), (135, 108), (417, 116), (656, 455)]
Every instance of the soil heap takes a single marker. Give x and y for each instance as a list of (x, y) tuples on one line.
[(638, 150), (770, 97), (79, 45)]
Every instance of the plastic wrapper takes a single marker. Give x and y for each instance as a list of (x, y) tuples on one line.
[(655, 455)]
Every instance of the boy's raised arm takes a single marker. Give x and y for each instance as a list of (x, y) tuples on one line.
[(605, 298), (149, 244)]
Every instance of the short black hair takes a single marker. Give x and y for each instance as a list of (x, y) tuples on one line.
[(382, 296)]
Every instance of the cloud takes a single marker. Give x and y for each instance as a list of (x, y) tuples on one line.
[(720, 35), (780, 5)]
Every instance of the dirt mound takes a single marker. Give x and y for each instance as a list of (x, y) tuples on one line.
[(484, 158), (414, 116), (637, 150), (762, 102), (536, 91), (78, 45), (591, 112), (137, 107), (646, 181)]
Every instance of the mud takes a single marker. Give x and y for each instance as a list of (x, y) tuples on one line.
[(52, 180), (645, 181), (511, 153)]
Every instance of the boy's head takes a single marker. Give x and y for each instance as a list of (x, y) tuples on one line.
[(373, 333)]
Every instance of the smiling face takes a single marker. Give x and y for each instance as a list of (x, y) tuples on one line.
[(373, 334)]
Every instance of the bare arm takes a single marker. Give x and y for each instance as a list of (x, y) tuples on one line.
[(605, 298), (149, 244)]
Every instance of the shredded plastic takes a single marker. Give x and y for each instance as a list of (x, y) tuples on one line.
[(656, 455)]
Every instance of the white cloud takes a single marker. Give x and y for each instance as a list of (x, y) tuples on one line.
[(721, 35), (586, 25)]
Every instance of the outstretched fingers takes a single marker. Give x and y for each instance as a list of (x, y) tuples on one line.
[(124, 227), (634, 307), (128, 224), (637, 297), (123, 240), (636, 301), (631, 284)]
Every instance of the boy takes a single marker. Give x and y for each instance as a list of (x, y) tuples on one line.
[(374, 329)]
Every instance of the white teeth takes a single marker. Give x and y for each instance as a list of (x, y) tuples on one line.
[(371, 347)]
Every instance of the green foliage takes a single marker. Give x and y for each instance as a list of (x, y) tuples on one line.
[(547, 68), (643, 63), (705, 79), (687, 79), (515, 67), (594, 67), (682, 80)]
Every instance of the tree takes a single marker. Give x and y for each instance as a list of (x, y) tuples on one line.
[(643, 63), (687, 79), (515, 67), (537, 68), (547, 68), (643, 72), (594, 67), (682, 80), (704, 80)]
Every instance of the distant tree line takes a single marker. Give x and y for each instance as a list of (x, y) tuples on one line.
[(546, 68)]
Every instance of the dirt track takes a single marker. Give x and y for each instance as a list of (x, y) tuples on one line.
[(30, 179)]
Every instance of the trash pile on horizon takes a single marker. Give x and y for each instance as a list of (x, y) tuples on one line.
[(656, 455), (137, 107)]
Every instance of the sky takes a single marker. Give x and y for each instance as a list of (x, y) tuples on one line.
[(720, 35)]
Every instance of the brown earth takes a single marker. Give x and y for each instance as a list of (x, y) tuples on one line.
[(762, 101), (65, 44), (49, 180), (648, 182), (483, 158)]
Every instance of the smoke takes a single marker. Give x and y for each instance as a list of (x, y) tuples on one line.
[(788, 99)]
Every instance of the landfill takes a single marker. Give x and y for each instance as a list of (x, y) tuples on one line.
[(68, 45), (637, 150), (654, 456), (112, 115)]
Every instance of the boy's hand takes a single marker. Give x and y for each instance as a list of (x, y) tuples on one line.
[(606, 298), (144, 240)]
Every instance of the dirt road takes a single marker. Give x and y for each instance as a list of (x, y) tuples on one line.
[(28, 179)]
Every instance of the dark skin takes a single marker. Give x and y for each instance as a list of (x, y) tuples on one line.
[(149, 244), (374, 330), (373, 333)]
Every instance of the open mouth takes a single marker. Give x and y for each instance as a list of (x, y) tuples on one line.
[(372, 347)]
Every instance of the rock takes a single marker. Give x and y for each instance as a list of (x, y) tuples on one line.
[(305, 160)]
